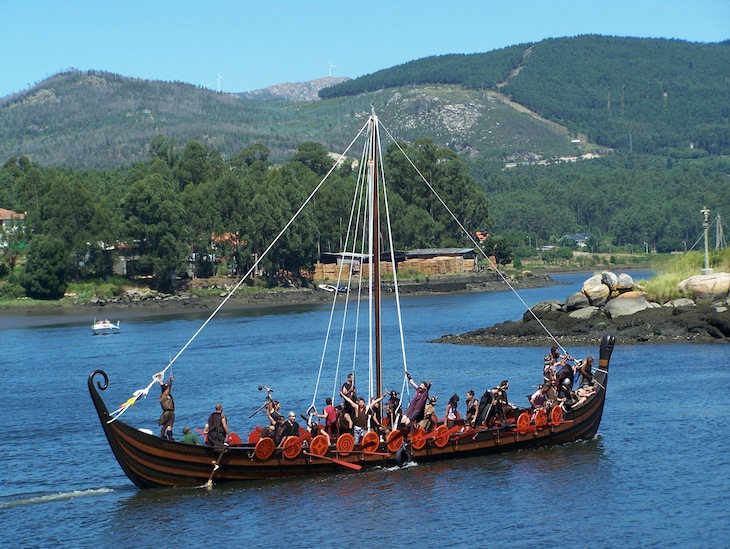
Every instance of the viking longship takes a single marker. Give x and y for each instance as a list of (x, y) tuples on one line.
[(153, 462)]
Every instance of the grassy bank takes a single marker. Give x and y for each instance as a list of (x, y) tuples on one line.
[(671, 269), (663, 287), (586, 261)]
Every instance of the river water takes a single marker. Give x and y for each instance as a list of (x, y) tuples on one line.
[(657, 474)]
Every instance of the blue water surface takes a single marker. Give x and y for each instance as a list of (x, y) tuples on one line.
[(657, 475)]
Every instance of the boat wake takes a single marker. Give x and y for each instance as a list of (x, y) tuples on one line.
[(53, 497), (401, 467)]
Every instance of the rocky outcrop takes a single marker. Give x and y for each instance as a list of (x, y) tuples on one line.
[(714, 286), (614, 303), (578, 300), (623, 306)]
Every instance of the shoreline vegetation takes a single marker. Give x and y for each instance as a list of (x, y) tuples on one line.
[(205, 295), (202, 296)]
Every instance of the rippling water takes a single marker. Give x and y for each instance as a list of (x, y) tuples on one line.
[(658, 474)]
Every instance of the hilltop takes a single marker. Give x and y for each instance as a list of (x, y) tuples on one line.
[(558, 97)]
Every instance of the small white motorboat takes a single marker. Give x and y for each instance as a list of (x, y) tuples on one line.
[(104, 327), (334, 289)]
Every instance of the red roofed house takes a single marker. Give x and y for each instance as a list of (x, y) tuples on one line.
[(7, 217)]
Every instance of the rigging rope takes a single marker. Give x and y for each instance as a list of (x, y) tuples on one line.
[(357, 201), (472, 240), (143, 392), (395, 277)]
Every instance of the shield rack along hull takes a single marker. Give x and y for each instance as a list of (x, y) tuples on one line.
[(153, 462)]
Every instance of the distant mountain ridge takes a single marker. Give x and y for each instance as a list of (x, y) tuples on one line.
[(527, 102), (295, 91)]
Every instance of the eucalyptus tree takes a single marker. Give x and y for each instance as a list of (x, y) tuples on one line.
[(298, 247), (66, 212), (198, 163), (331, 210), (155, 223), (45, 272), (267, 217), (449, 176), (200, 217), (315, 157)]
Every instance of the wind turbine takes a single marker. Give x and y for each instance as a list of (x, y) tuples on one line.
[(331, 66), (219, 82)]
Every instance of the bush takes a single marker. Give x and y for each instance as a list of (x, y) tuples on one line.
[(10, 291), (46, 269)]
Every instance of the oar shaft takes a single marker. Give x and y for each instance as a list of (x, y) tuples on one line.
[(215, 468), (354, 466)]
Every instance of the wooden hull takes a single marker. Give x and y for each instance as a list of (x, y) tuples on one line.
[(153, 462)]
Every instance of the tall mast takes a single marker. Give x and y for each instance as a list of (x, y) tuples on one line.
[(375, 259)]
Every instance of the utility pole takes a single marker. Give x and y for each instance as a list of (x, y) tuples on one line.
[(705, 226), (719, 237)]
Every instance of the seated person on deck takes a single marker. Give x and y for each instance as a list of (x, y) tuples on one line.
[(582, 395), (429, 421), (539, 398), (452, 414)]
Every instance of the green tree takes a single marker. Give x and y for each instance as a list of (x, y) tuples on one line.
[(315, 157), (298, 247), (249, 155), (66, 212), (499, 247), (197, 164), (331, 210), (154, 219), (163, 147), (46, 268), (449, 176)]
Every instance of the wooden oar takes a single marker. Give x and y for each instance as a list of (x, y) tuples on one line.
[(209, 484), (465, 434), (454, 429), (337, 461)]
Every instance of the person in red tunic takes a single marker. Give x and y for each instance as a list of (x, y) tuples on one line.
[(330, 417)]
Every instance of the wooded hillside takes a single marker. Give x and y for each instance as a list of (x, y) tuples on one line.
[(99, 162), (630, 94), (635, 94)]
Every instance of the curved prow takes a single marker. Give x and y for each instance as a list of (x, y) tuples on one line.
[(600, 376), (604, 356), (101, 408)]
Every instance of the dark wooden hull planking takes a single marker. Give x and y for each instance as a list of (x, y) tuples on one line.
[(153, 462)]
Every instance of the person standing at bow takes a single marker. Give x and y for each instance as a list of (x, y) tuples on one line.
[(167, 419)]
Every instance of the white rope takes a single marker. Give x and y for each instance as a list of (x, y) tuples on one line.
[(473, 241), (357, 200), (143, 392), (395, 274)]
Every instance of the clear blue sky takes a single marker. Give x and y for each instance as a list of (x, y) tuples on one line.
[(254, 44)]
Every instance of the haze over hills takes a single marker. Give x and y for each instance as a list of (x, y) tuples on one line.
[(526, 102)]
